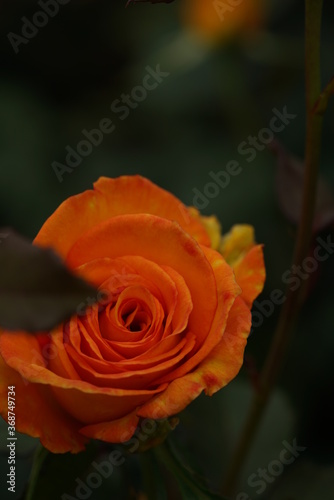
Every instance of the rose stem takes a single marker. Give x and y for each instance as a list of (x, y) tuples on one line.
[(149, 479), (292, 305), (40, 455)]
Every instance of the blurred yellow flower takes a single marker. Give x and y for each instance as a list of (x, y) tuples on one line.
[(217, 20)]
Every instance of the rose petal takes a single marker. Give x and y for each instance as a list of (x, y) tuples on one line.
[(219, 368), (21, 351), (163, 282), (165, 243), (236, 243), (94, 408), (178, 395), (212, 226), (117, 431), (57, 431), (225, 360), (227, 290), (83, 401), (250, 274), (100, 373), (112, 197)]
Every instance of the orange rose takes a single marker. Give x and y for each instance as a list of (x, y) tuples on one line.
[(173, 321)]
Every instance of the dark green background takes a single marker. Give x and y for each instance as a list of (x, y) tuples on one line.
[(65, 79)]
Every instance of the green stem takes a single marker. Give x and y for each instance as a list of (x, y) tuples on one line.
[(147, 466), (165, 455), (40, 455), (293, 302), (191, 485)]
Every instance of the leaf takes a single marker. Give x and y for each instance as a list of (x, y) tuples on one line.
[(40, 456), (289, 186), (192, 486), (70, 476), (153, 480), (25, 447), (37, 292)]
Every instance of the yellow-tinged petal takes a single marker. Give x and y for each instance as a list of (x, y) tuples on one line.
[(212, 226), (250, 274), (225, 360), (236, 243), (178, 395)]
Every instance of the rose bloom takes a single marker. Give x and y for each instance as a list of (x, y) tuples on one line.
[(217, 20), (172, 319)]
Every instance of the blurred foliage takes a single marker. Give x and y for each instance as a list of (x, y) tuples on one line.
[(66, 78)]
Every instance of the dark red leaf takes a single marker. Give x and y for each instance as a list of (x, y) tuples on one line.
[(37, 291), (289, 187)]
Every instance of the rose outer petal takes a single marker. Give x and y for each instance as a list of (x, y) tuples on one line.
[(250, 274), (246, 259), (110, 198), (117, 431), (227, 290), (57, 430), (82, 400)]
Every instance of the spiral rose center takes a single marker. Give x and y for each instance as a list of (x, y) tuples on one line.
[(134, 317), (135, 314)]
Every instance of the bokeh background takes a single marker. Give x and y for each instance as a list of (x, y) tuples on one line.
[(225, 78)]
